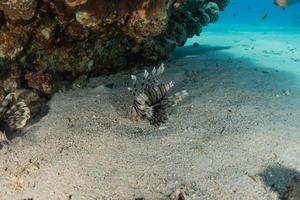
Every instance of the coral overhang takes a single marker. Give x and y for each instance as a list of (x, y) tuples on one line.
[(91, 37)]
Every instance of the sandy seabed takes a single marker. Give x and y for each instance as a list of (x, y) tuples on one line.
[(236, 136)]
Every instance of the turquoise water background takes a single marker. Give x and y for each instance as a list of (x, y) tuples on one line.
[(250, 12), (272, 43)]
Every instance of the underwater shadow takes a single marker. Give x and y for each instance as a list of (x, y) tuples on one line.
[(215, 59), (190, 50), (277, 178), (233, 82)]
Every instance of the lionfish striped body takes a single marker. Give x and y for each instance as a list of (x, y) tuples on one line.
[(151, 101), (13, 112)]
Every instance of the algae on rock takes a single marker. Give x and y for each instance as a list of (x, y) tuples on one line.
[(89, 37)]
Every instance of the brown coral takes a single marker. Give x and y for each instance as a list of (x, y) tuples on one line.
[(12, 42), (10, 78), (32, 100), (92, 37), (20, 9), (40, 81)]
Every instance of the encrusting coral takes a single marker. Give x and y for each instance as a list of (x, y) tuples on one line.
[(40, 81), (44, 41), (94, 37)]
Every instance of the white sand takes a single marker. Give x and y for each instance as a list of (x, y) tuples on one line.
[(237, 136)]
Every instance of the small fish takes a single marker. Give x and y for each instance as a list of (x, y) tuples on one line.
[(151, 100), (264, 17)]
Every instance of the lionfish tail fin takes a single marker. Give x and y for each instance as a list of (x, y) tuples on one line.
[(14, 111), (177, 97)]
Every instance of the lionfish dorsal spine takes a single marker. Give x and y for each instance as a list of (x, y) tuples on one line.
[(146, 74), (133, 78), (161, 69), (153, 71), (148, 80)]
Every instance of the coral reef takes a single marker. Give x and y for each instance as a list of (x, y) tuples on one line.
[(11, 83), (44, 42), (14, 113), (40, 81), (77, 37)]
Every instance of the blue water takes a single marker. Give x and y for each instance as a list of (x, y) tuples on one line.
[(244, 12), (272, 42)]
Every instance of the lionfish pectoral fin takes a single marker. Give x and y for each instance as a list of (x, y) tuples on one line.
[(177, 97), (149, 112), (160, 114)]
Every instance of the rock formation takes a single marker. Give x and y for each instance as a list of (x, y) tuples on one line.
[(46, 40)]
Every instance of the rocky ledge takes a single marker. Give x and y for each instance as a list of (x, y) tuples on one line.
[(44, 41)]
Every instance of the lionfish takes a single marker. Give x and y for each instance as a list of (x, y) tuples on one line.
[(150, 97), (14, 113)]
